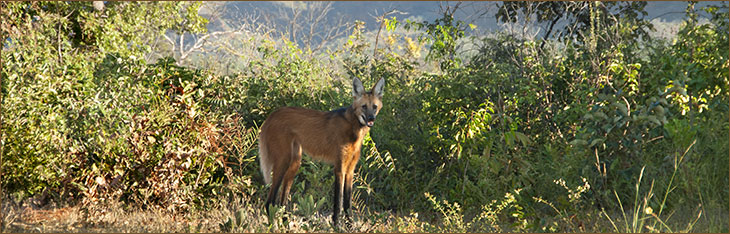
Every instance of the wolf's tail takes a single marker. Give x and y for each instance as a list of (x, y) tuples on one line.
[(264, 161)]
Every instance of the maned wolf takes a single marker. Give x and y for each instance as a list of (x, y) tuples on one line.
[(334, 137)]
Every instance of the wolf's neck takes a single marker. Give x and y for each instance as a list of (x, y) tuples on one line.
[(352, 118)]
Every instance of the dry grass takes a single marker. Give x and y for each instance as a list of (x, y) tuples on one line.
[(244, 215), (112, 218), (240, 214)]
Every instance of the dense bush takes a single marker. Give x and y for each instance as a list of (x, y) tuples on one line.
[(85, 116)]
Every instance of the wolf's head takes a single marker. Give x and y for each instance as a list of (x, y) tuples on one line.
[(367, 104)]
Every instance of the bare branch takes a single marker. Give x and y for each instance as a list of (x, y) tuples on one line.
[(381, 19)]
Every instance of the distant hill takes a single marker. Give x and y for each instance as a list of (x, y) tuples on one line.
[(333, 26), (429, 10)]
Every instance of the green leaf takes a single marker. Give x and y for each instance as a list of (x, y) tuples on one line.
[(595, 142), (523, 138)]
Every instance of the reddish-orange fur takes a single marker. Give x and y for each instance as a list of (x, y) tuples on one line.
[(334, 137)]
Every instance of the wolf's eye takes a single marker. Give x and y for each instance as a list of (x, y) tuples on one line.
[(375, 106), (364, 106)]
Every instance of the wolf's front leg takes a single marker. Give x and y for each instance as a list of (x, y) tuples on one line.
[(337, 190)]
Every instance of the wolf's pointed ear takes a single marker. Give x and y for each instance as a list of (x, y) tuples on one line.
[(357, 89), (378, 89)]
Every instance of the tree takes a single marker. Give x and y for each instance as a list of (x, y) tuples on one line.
[(577, 16), (310, 24)]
